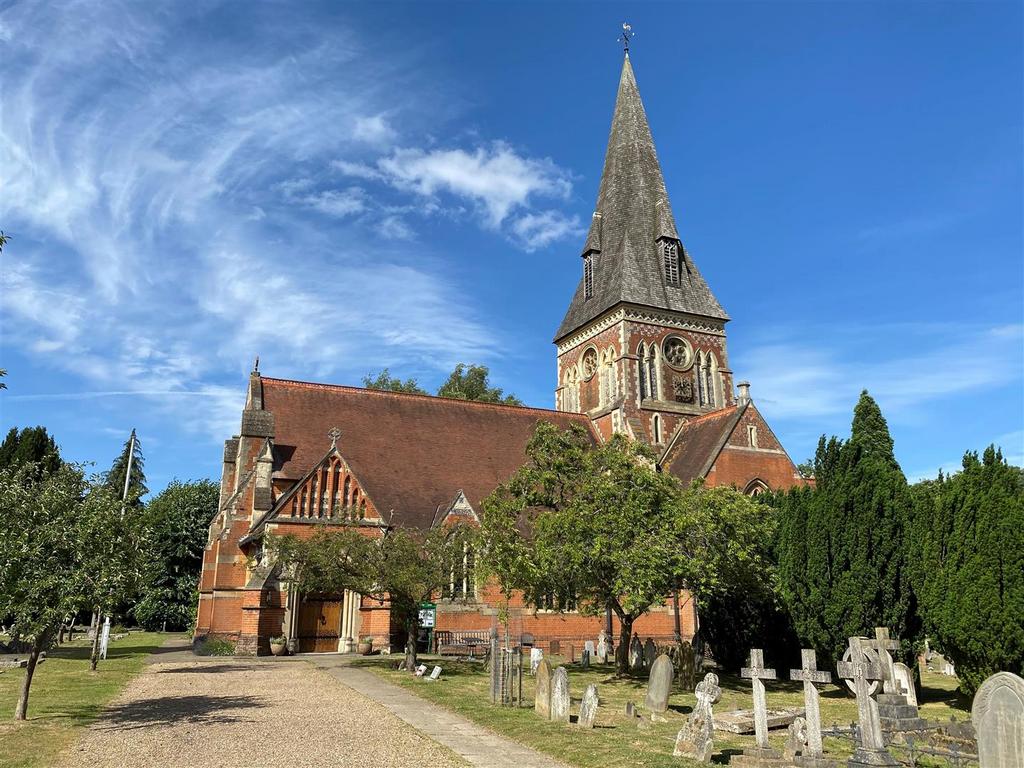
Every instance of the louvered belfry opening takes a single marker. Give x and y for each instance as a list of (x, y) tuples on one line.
[(329, 492)]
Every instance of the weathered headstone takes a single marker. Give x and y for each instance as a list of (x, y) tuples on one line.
[(863, 668), (588, 707), (905, 682), (536, 654), (650, 653), (687, 667), (895, 710), (585, 659), (603, 647), (555, 647), (542, 692), (421, 670), (796, 739), (810, 674), (696, 739), (560, 700), (435, 673), (569, 653), (659, 684), (756, 673), (998, 717), (588, 645), (636, 655)]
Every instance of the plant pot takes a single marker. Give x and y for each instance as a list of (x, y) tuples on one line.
[(279, 649), (364, 647)]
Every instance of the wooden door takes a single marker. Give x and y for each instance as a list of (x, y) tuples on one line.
[(319, 625)]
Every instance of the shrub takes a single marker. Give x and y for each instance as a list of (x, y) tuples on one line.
[(215, 646)]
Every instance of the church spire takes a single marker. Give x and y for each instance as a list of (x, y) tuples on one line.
[(625, 250)]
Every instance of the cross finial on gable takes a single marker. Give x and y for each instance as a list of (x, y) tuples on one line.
[(334, 434)]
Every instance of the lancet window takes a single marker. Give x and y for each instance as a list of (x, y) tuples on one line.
[(705, 370), (462, 581), (588, 276), (670, 256)]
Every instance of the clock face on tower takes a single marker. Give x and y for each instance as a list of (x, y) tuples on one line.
[(678, 352), (589, 363)]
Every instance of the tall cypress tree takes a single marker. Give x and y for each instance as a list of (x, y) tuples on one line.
[(114, 477), (842, 553), (31, 444)]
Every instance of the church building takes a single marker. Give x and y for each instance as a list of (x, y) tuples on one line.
[(641, 351)]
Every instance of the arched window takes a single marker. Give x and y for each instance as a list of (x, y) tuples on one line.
[(588, 276), (752, 435), (642, 360), (755, 487), (657, 429), (670, 255)]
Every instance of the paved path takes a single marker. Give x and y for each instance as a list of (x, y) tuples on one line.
[(477, 745)]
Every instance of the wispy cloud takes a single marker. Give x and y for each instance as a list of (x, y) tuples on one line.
[(538, 230)]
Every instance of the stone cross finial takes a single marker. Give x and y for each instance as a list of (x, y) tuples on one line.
[(883, 645), (334, 433), (627, 32), (756, 672), (861, 669), (810, 674)]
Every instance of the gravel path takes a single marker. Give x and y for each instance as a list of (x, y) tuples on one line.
[(249, 713)]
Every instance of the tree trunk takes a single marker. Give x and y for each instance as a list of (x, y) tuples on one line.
[(94, 656), (412, 625), (625, 635), (21, 710)]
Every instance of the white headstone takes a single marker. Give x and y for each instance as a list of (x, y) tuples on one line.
[(435, 673), (536, 654), (105, 638), (588, 707), (998, 718), (421, 670), (590, 647), (905, 681)]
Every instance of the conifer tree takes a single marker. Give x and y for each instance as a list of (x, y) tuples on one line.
[(971, 573), (27, 446), (114, 478), (843, 547)]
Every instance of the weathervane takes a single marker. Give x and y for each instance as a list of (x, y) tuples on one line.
[(627, 32), (334, 434)]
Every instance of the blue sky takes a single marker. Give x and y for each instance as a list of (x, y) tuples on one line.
[(341, 187)]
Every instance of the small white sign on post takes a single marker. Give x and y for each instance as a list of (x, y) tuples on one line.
[(105, 638)]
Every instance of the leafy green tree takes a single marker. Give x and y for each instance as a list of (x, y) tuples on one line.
[(176, 523), (63, 545), (114, 477), (31, 445), (405, 567), (599, 527), (472, 382), (385, 381), (971, 574), (843, 550)]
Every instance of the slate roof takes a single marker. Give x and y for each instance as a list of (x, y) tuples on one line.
[(632, 212), (697, 443), (410, 453)]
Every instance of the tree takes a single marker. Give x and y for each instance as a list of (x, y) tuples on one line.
[(176, 523), (405, 567), (385, 381), (592, 527), (471, 382), (31, 445), (114, 478), (971, 574), (63, 545), (843, 554)]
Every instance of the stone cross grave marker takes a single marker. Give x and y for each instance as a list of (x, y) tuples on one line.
[(650, 653), (636, 655), (810, 674), (588, 707), (905, 681), (883, 644), (895, 709), (757, 672), (695, 739), (998, 717), (659, 684), (542, 692), (536, 654), (861, 669), (560, 700)]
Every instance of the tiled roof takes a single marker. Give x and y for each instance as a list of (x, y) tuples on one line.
[(411, 453), (697, 443), (634, 211)]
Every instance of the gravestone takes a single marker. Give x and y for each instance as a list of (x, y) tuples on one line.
[(905, 681), (636, 655), (434, 673), (998, 717), (882, 644), (796, 739), (542, 692), (659, 684), (687, 667), (421, 670), (602, 647), (695, 740), (585, 659), (810, 674), (536, 654), (895, 711), (588, 707), (756, 673), (588, 646), (650, 653), (560, 700), (105, 639), (555, 647), (863, 668), (742, 720), (570, 653)]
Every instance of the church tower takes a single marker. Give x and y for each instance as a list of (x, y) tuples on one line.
[(642, 347)]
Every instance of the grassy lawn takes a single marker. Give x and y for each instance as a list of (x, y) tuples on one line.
[(65, 696), (615, 741)]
